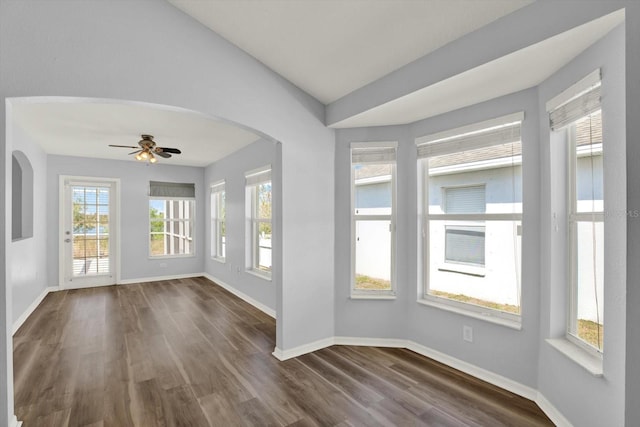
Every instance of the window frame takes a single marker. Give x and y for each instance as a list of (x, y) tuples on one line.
[(354, 219), (573, 218), (442, 145), (167, 219), (218, 241), (253, 219)]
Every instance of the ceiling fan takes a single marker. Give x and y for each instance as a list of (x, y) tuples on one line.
[(148, 149)]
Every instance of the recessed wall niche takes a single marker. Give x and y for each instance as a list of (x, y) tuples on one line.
[(21, 196)]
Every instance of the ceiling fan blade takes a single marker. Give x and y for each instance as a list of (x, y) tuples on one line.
[(122, 146), (134, 152), (162, 154), (169, 150)]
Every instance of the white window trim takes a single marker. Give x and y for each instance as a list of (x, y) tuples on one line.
[(373, 294), (192, 239), (217, 189), (442, 146)]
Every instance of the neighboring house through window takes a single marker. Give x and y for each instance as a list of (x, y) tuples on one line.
[(259, 226), (373, 171), (218, 221), (472, 215), (171, 219)]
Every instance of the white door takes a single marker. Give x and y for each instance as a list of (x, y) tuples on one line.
[(88, 247)]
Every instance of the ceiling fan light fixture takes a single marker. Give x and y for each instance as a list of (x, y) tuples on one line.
[(138, 156), (145, 154), (152, 159)]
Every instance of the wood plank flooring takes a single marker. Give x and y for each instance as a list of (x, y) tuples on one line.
[(188, 353)]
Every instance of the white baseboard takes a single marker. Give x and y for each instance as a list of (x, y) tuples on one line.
[(158, 278), (241, 295), (23, 317), (492, 378), (13, 422), (552, 412), (303, 349), (371, 342), (475, 371)]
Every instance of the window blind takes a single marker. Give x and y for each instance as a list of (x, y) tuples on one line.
[(465, 244), (473, 137), (465, 200), (169, 190), (373, 154), (217, 187), (580, 106), (257, 177)]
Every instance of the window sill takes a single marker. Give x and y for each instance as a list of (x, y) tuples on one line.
[(161, 257), (218, 259), (589, 362), (487, 317), (374, 296), (260, 274)]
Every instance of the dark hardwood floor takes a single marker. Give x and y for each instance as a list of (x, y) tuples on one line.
[(188, 353)]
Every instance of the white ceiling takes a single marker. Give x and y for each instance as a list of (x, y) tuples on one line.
[(331, 48), (328, 48), (520, 70), (74, 127)]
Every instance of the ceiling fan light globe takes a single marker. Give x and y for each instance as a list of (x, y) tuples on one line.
[(138, 157), (144, 155), (153, 160)]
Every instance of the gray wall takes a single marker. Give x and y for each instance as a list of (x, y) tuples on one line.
[(29, 256), (96, 49), (232, 271), (134, 213), (604, 402)]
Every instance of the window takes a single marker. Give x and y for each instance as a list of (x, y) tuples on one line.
[(258, 206), (472, 216), (373, 170), (580, 120), (218, 224), (171, 219)]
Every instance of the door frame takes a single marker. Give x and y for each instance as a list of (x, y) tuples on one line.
[(115, 224)]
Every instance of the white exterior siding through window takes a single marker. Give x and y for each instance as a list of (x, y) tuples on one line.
[(472, 223), (373, 171)]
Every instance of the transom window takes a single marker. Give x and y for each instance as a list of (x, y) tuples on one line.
[(171, 219), (472, 195)]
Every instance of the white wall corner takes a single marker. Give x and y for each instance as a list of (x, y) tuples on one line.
[(257, 304), (13, 422), (24, 316), (552, 412)]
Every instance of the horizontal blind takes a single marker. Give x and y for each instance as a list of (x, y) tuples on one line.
[(465, 244), (504, 134), (576, 108), (373, 154), (172, 190), (465, 200), (258, 177), (217, 187)]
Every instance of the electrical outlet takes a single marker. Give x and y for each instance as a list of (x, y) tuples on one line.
[(467, 333)]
